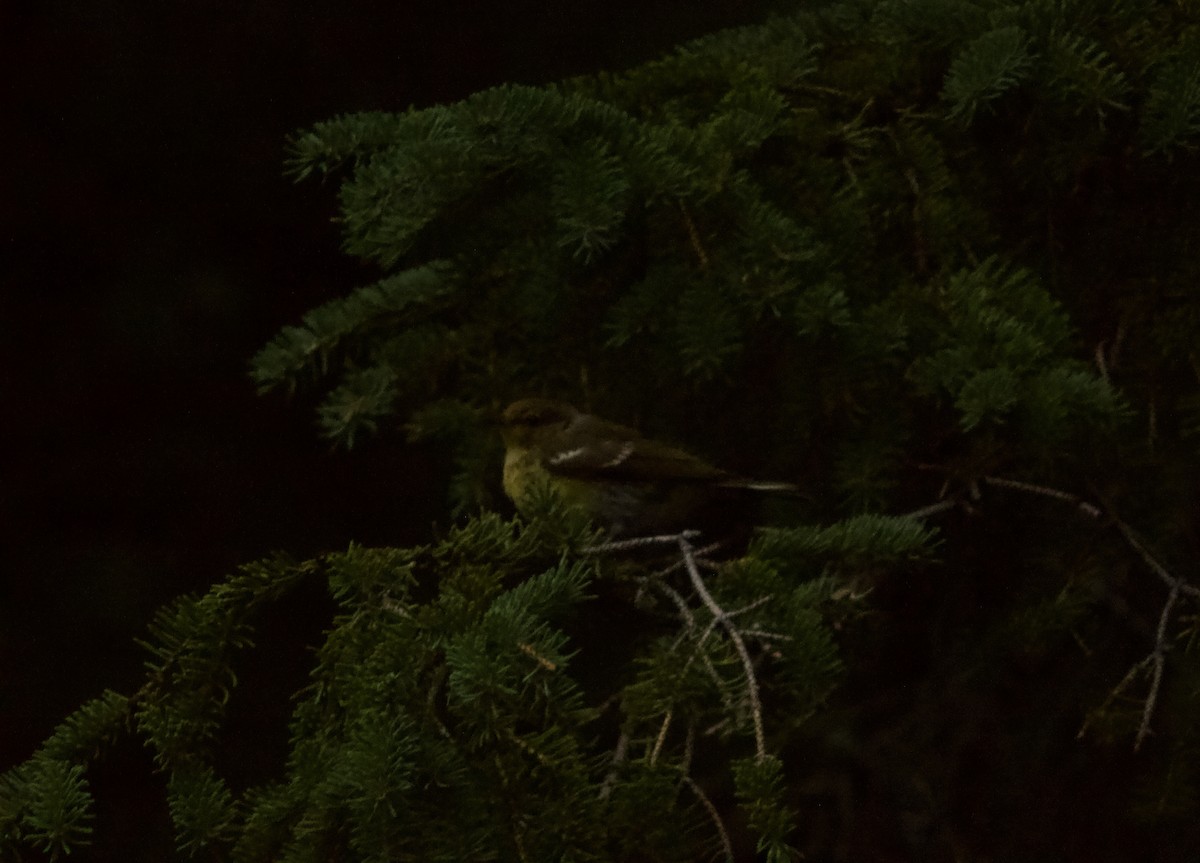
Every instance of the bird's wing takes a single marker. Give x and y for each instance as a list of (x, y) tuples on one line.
[(598, 449)]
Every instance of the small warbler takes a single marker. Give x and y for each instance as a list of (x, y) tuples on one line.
[(623, 482)]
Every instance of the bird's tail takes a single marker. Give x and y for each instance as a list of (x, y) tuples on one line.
[(765, 486)]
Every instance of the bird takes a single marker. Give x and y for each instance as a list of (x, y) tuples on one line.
[(627, 484)]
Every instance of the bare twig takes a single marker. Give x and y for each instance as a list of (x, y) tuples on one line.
[(693, 235), (1156, 661), (387, 603), (689, 621), (698, 650), (1101, 363), (713, 814), (750, 606), (1173, 582), (766, 636), (620, 751), (685, 612), (735, 636), (640, 542), (662, 737), (691, 563), (933, 509), (1087, 508), (716, 728), (1116, 693)]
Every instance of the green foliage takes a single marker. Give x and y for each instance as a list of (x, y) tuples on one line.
[(921, 256), (46, 803), (377, 335), (892, 250), (1085, 75), (475, 446), (445, 685), (861, 542), (589, 198), (760, 791), (1173, 106), (201, 808), (985, 70), (817, 169), (192, 643), (995, 354), (90, 729)]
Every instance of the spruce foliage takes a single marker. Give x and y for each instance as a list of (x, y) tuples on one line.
[(932, 258)]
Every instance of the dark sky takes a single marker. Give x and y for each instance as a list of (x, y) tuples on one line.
[(149, 245)]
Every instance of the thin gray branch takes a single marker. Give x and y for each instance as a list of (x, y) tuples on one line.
[(1172, 581), (713, 814), (735, 636), (640, 542), (1156, 661), (933, 509), (620, 752), (1086, 507)]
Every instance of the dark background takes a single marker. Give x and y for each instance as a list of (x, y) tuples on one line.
[(149, 245)]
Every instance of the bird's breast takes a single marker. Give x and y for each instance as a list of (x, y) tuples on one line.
[(521, 470)]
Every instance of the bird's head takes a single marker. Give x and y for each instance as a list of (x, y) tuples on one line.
[(527, 421)]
